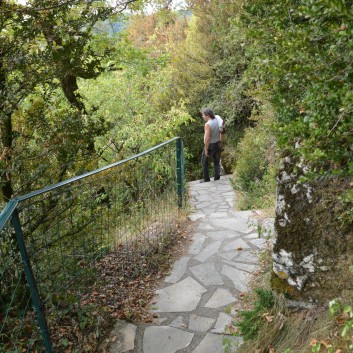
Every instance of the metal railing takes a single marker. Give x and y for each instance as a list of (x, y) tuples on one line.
[(55, 242)]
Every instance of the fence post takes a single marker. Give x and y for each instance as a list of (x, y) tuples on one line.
[(179, 173), (38, 307)]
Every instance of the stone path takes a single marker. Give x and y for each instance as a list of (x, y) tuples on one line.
[(195, 303)]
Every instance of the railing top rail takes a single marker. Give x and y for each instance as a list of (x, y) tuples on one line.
[(12, 204), (7, 212)]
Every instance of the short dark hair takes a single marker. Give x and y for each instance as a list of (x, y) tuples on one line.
[(208, 112)]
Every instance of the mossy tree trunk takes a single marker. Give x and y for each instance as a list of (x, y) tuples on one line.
[(314, 248)]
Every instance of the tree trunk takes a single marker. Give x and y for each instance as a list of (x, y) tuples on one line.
[(70, 88), (68, 81), (313, 249), (6, 139)]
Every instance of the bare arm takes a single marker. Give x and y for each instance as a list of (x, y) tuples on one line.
[(207, 138)]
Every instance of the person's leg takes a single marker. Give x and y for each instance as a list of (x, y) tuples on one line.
[(205, 167), (216, 163)]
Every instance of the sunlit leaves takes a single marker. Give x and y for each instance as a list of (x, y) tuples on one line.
[(134, 102)]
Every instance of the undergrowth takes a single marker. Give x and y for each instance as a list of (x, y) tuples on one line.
[(251, 320), (255, 164), (268, 325)]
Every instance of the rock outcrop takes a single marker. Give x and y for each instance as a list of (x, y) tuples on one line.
[(314, 248)]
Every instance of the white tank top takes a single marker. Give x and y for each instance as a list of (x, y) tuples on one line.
[(214, 128)]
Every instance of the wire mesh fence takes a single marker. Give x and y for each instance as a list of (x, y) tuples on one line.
[(69, 234)]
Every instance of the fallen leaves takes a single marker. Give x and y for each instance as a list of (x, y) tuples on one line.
[(124, 284), (267, 317), (316, 344), (122, 290), (313, 342)]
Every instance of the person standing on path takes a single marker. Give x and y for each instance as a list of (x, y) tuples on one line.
[(212, 145)]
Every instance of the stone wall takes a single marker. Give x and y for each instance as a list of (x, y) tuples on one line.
[(313, 250)]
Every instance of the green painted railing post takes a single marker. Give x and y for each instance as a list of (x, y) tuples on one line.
[(179, 173), (183, 169), (38, 307)]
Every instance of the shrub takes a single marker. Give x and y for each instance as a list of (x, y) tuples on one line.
[(255, 165), (252, 319)]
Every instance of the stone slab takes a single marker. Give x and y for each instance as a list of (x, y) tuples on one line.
[(212, 343), (242, 266), (236, 245), (238, 225), (203, 192), (260, 242), (219, 214), (249, 256), (220, 297), (254, 235), (178, 323), (229, 193), (196, 216), (124, 334), (207, 274), (200, 323), (230, 203), (197, 243), (224, 188), (180, 297), (223, 234), (268, 228), (165, 339), (203, 205), (204, 226), (228, 255), (203, 197), (159, 320), (244, 215), (178, 270), (238, 277), (223, 321), (224, 208), (210, 211), (208, 251)]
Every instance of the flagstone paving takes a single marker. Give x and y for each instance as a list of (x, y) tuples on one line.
[(194, 303)]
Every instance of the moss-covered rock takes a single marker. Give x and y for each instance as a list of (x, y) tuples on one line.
[(314, 248)]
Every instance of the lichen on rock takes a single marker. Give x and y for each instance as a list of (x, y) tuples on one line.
[(312, 244)]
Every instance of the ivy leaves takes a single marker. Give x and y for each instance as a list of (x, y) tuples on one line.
[(304, 63)]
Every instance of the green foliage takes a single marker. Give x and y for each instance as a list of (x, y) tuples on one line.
[(255, 165), (336, 307), (303, 54), (71, 94), (346, 200), (71, 98), (192, 66), (134, 103), (52, 141), (129, 210), (207, 72), (45, 46), (229, 346), (252, 320), (214, 56)]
